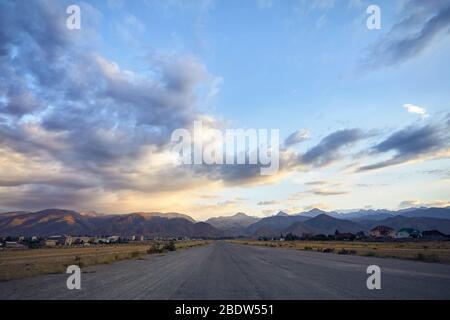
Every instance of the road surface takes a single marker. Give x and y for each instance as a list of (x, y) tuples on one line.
[(231, 271)]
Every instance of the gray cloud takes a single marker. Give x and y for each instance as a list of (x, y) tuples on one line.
[(267, 203), (421, 24), (326, 192), (409, 144), (296, 137), (40, 196), (89, 116), (70, 111), (329, 148), (315, 183)]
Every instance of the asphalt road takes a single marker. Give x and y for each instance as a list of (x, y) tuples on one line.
[(230, 271)]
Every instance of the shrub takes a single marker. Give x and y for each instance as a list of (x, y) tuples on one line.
[(328, 250), (155, 249), (135, 254), (371, 254), (427, 257), (170, 246), (308, 248), (345, 251)]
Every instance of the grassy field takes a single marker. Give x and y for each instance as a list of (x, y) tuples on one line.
[(438, 251), (16, 264)]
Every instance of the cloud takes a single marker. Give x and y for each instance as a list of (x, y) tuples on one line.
[(296, 137), (130, 29), (268, 203), (444, 173), (411, 143), (67, 112), (422, 24), (329, 148), (411, 108), (418, 203), (326, 192), (315, 183)]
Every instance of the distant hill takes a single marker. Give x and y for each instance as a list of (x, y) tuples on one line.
[(363, 221), (45, 222), (323, 224), (328, 225), (234, 225), (240, 220), (275, 224), (381, 214), (56, 221), (314, 213), (419, 223), (168, 215), (155, 224), (441, 213)]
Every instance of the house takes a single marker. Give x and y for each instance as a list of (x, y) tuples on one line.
[(101, 240), (408, 233), (50, 242), (114, 239), (382, 232), (62, 240), (81, 240), (14, 245), (434, 235)]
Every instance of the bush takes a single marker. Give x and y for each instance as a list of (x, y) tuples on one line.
[(328, 250), (308, 248), (371, 254), (345, 251), (155, 248), (135, 254), (170, 246), (428, 257)]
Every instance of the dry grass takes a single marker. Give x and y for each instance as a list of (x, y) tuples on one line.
[(16, 264), (437, 251)]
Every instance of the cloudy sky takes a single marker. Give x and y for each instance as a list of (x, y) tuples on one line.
[(86, 115)]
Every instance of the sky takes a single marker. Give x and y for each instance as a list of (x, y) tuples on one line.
[(86, 116)]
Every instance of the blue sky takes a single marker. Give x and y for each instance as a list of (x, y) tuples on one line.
[(292, 65), (278, 63)]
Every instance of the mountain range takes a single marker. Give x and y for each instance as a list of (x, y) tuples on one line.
[(155, 224), (56, 221)]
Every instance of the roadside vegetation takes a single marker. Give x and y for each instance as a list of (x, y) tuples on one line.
[(437, 251), (16, 264)]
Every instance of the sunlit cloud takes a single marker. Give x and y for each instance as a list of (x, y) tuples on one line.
[(411, 108)]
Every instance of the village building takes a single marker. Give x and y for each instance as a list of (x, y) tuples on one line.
[(382, 232), (408, 233), (14, 245)]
